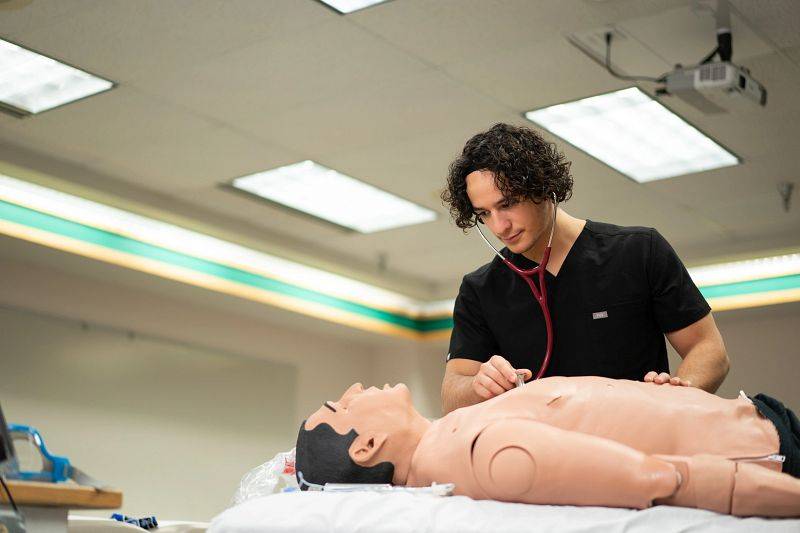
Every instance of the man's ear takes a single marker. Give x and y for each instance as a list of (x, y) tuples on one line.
[(365, 448)]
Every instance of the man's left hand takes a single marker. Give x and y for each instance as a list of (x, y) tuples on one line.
[(665, 379)]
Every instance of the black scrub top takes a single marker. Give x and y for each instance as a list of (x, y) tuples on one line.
[(618, 291)]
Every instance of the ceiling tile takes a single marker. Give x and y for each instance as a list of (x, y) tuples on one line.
[(314, 66), (444, 31), (124, 41), (392, 111), (778, 20), (146, 141)]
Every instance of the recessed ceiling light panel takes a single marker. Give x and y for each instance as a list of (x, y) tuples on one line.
[(31, 83), (348, 6), (329, 195), (634, 134)]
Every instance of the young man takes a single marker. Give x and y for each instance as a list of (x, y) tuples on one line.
[(567, 441), (613, 292)]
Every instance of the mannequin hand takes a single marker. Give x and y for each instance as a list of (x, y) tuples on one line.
[(495, 377), (664, 378)]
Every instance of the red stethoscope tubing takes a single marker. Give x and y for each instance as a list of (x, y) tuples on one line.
[(541, 297), (539, 293)]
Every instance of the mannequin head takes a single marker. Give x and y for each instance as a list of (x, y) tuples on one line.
[(366, 436), (323, 456)]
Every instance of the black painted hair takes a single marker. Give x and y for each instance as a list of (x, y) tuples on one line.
[(322, 457)]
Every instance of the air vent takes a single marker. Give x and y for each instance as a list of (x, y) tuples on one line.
[(713, 72)]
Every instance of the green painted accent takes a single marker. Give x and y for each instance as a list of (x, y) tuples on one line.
[(751, 287), (59, 226), (435, 324)]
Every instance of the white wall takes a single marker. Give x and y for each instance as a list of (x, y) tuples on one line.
[(174, 426), (764, 347), (168, 310), (420, 365), (173, 416)]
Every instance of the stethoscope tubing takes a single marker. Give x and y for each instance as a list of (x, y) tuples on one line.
[(539, 293)]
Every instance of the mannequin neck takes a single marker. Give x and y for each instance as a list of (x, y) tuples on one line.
[(403, 444)]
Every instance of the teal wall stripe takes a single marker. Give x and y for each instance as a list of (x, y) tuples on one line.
[(750, 287), (43, 221)]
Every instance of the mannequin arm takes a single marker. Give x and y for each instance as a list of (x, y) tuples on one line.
[(741, 489), (521, 460)]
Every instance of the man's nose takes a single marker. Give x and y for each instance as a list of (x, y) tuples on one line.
[(501, 224)]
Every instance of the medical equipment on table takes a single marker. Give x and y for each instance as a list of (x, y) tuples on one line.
[(540, 294), (55, 468), (276, 475), (148, 522), (435, 489)]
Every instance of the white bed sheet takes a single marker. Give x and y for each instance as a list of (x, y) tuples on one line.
[(312, 512)]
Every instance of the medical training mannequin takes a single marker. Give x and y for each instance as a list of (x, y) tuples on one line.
[(559, 440)]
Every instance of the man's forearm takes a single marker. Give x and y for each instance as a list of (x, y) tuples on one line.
[(457, 392), (705, 366)]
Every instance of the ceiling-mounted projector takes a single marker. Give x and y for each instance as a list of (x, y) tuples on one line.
[(708, 78), (707, 85), (697, 85)]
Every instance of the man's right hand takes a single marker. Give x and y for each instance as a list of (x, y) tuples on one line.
[(495, 377)]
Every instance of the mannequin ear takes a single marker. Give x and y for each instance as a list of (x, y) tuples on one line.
[(365, 448)]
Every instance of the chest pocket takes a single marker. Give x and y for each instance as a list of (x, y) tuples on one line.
[(619, 334)]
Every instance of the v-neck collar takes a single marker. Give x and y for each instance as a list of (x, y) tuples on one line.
[(523, 262)]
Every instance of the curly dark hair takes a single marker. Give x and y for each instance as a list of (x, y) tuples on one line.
[(525, 166)]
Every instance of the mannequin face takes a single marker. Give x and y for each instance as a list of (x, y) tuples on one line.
[(387, 425), (366, 410)]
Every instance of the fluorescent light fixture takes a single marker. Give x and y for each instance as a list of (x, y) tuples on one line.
[(348, 6), (31, 83), (324, 193), (752, 269), (634, 134)]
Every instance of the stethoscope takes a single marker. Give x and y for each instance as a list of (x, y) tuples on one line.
[(539, 294)]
